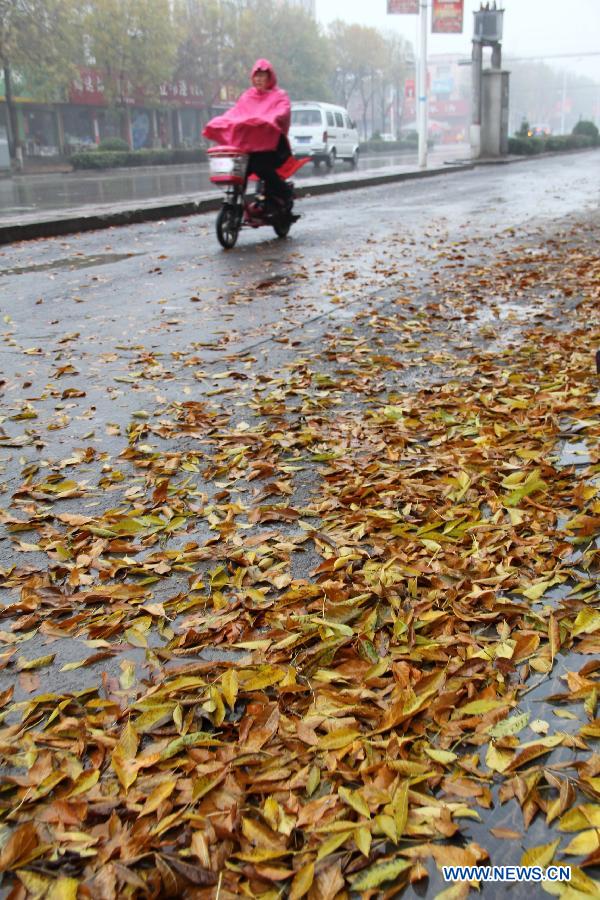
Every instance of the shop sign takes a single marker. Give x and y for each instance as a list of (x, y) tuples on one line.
[(441, 109), (403, 7), (442, 85), (88, 90), (181, 93), (447, 17)]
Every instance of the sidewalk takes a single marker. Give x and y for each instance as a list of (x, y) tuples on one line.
[(56, 222)]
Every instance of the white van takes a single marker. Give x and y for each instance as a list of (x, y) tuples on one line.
[(324, 132)]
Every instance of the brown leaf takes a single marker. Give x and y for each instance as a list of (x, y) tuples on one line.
[(20, 847)]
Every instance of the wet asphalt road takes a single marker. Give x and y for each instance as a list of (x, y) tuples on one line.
[(22, 195), (81, 315)]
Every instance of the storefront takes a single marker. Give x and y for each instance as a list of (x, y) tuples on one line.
[(142, 128), (38, 130), (80, 128)]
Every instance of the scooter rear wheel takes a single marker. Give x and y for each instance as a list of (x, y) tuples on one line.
[(228, 226)]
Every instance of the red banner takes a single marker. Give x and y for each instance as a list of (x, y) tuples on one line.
[(402, 7), (447, 17)]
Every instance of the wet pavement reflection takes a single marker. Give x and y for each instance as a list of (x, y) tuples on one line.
[(26, 194)]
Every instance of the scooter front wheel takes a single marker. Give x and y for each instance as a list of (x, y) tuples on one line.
[(228, 226), (282, 225)]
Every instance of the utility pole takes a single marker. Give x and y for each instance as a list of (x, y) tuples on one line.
[(422, 83), (563, 102)]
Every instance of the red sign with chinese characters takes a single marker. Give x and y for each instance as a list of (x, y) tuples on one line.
[(443, 109), (447, 17), (88, 90), (403, 7)]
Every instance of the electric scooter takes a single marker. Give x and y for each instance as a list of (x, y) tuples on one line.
[(228, 169)]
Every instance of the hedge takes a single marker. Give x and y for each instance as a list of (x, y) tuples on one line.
[(105, 159), (392, 146), (531, 146)]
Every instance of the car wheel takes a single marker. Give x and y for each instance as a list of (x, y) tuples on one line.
[(354, 160), (330, 160)]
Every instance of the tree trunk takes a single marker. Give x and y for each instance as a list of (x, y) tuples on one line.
[(13, 129)]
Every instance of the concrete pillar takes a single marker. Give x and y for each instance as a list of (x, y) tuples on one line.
[(494, 124), (476, 68)]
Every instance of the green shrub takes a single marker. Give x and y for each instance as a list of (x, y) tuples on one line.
[(113, 143), (133, 158), (587, 129), (523, 146), (407, 143)]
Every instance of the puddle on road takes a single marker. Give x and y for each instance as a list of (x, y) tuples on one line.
[(70, 262)]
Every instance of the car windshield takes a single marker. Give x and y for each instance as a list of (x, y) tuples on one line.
[(306, 117)]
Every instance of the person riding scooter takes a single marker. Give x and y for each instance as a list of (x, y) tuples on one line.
[(258, 124)]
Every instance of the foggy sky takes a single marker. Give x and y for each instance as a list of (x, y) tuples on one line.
[(530, 27)]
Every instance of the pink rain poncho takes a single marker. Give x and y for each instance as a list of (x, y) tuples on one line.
[(257, 121)]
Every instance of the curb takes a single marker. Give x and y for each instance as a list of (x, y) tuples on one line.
[(46, 228)]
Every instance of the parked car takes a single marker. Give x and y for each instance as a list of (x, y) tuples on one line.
[(323, 132)]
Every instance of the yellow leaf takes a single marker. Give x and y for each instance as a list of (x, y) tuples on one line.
[(123, 756), (380, 872), (36, 885), (332, 844), (259, 834), (127, 677), (154, 717), (354, 799), (498, 760), (25, 665), (400, 808), (205, 784), (441, 756), (63, 889), (584, 816), (587, 621), (160, 793), (338, 738), (302, 881), (479, 707), (85, 781), (539, 588), (387, 825), (229, 687), (264, 677), (584, 843), (541, 855), (128, 742), (362, 839), (219, 711)]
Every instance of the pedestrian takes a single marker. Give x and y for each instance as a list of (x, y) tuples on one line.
[(258, 124)]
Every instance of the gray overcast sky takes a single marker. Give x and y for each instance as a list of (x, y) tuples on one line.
[(530, 27)]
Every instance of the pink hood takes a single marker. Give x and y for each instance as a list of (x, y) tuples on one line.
[(257, 120)]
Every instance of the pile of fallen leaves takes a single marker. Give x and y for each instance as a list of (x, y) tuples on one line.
[(332, 726)]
